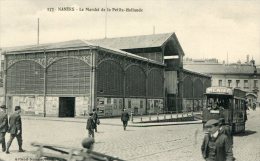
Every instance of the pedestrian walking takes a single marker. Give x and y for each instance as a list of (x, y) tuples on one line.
[(96, 119), (216, 146), (3, 126), (124, 118), (90, 125), (225, 129), (15, 129), (254, 106)]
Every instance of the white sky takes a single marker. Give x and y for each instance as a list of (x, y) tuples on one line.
[(205, 28)]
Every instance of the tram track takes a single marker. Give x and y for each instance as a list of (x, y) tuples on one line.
[(175, 144), (159, 152), (161, 142)]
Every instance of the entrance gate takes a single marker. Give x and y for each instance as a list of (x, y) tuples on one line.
[(66, 106)]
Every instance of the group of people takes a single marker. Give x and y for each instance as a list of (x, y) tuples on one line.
[(93, 121), (216, 146), (13, 125), (218, 141)]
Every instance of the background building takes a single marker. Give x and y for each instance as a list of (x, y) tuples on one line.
[(245, 76)]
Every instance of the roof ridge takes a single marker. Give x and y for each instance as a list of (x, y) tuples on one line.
[(87, 42), (40, 45), (133, 36), (82, 40)]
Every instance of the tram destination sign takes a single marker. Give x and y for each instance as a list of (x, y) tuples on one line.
[(219, 90)]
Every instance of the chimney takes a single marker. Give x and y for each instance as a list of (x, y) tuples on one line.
[(239, 62), (247, 59)]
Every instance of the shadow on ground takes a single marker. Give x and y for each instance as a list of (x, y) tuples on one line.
[(246, 133), (129, 130)]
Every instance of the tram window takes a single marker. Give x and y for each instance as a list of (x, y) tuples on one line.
[(217, 103), (242, 104), (236, 104)]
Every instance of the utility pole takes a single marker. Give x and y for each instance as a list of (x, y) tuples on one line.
[(227, 58), (38, 31), (106, 22)]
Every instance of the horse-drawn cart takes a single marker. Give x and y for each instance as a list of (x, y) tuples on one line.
[(48, 152)]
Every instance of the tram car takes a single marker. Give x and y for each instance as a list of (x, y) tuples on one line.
[(227, 103)]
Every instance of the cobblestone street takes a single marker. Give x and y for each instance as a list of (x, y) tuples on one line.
[(164, 143)]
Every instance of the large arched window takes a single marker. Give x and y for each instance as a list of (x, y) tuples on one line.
[(110, 79), (187, 87), (135, 82), (25, 77), (198, 88), (207, 83), (68, 76), (155, 83)]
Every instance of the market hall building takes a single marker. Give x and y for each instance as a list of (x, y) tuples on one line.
[(69, 79), (183, 88)]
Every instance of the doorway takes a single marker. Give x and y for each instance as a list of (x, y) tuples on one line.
[(66, 106)]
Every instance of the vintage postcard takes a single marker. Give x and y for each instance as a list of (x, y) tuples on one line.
[(157, 80)]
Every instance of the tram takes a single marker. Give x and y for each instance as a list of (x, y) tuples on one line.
[(227, 103)]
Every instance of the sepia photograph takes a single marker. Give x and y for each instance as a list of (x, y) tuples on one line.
[(131, 80)]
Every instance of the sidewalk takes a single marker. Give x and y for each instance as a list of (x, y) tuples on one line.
[(138, 121)]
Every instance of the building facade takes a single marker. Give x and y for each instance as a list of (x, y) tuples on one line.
[(165, 48), (71, 78), (243, 76), (143, 74)]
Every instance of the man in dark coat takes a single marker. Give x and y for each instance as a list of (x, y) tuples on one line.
[(124, 118), (15, 129), (226, 129), (90, 125), (216, 146), (96, 119), (3, 126)]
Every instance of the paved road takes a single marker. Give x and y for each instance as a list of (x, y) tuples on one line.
[(160, 143)]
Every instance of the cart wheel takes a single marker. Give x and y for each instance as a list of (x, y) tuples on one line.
[(38, 153)]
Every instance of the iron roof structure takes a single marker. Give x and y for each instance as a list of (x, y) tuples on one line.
[(143, 41), (139, 42), (71, 45)]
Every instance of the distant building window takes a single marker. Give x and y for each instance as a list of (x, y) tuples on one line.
[(129, 103), (220, 83), (255, 83), (141, 104), (229, 83), (237, 83), (246, 84), (108, 100)]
